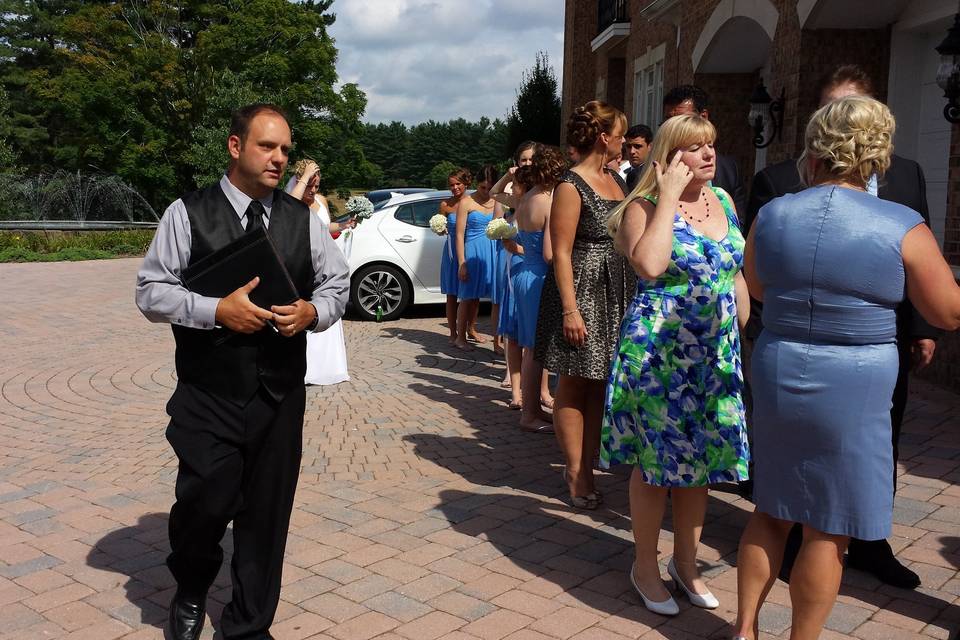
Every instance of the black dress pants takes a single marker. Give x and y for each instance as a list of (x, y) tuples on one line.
[(237, 464)]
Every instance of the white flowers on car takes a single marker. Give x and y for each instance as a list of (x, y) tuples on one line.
[(359, 207), (438, 224), (500, 229)]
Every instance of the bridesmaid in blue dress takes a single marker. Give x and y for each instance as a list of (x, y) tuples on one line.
[(830, 265), (533, 219), (457, 183), (508, 191), (475, 253)]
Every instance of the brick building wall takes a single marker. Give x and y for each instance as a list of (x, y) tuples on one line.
[(945, 369), (579, 79)]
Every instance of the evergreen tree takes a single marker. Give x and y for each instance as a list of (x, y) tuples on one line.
[(536, 114)]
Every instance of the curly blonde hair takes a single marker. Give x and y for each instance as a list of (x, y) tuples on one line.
[(852, 140)]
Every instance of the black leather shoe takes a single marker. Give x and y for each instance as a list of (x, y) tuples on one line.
[(876, 558), (186, 617)]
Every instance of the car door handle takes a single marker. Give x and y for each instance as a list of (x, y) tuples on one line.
[(406, 239)]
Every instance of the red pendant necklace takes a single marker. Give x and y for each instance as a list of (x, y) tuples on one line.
[(706, 206)]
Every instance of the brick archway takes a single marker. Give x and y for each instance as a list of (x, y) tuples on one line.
[(736, 14)]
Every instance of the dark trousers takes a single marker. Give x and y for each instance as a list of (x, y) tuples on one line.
[(237, 464)]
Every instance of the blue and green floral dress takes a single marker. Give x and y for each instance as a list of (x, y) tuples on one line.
[(673, 403)]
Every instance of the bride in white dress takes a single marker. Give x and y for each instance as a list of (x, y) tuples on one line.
[(326, 350)]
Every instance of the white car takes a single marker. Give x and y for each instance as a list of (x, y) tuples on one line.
[(394, 257)]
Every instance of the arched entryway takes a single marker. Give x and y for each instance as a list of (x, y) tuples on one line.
[(729, 58)]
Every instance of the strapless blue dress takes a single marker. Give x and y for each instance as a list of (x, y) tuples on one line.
[(480, 257), (824, 368), (507, 325), (528, 285), (449, 282)]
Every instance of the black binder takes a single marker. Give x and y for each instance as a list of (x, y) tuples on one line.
[(237, 263)]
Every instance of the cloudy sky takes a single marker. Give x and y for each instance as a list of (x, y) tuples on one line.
[(441, 59)]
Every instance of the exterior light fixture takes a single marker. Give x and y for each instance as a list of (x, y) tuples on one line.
[(764, 111), (948, 73)]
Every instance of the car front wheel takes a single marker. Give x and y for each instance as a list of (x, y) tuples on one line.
[(380, 286)]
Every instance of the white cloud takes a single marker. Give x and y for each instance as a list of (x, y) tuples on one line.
[(441, 59)]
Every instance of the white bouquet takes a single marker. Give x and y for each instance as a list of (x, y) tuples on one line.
[(359, 208), (438, 224), (500, 229)]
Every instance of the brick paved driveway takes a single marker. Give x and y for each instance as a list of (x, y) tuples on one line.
[(422, 512)]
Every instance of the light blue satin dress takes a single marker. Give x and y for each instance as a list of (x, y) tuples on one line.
[(527, 283), (449, 279), (480, 257), (824, 368)]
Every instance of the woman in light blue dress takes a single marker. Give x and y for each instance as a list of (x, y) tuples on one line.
[(508, 191), (830, 264), (476, 257), (457, 183), (533, 219)]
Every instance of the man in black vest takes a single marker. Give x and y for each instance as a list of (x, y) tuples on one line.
[(236, 416), (903, 183), (688, 99)]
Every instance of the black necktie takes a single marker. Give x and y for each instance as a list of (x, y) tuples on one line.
[(255, 213)]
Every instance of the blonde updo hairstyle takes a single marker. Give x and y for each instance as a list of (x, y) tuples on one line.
[(851, 139), (586, 123), (676, 134)]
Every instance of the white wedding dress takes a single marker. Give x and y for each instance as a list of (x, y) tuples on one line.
[(327, 350)]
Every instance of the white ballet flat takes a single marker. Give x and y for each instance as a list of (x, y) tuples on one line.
[(703, 600), (668, 607)]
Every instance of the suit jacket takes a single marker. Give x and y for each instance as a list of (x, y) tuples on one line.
[(903, 183), (729, 179), (633, 177)]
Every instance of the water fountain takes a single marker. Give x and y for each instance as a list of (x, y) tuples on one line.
[(72, 201)]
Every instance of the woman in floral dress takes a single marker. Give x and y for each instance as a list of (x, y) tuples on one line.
[(673, 405)]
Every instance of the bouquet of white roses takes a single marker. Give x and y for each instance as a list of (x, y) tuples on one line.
[(500, 229), (438, 224), (359, 208)]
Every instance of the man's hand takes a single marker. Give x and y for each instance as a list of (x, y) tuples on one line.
[(293, 318), (921, 352), (236, 312)]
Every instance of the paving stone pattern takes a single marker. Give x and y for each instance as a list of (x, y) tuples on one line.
[(422, 511)]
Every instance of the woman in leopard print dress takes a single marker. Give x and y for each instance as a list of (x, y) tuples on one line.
[(585, 293)]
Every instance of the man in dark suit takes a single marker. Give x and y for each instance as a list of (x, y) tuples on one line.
[(636, 146), (903, 183), (689, 99)]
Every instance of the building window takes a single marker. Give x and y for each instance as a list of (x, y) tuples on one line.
[(648, 88)]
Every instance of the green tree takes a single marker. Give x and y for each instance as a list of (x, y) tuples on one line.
[(8, 157), (144, 88), (536, 113), (437, 178)]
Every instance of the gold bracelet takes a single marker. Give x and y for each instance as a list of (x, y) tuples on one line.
[(567, 313)]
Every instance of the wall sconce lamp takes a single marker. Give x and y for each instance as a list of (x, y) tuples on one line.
[(765, 110), (948, 73)]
